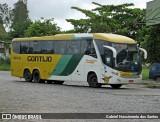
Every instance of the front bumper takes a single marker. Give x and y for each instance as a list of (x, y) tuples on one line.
[(122, 80)]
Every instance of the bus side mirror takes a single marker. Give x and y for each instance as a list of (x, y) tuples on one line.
[(145, 52), (110, 56), (113, 50)]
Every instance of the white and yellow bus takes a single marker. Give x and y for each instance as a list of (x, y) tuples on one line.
[(98, 59)]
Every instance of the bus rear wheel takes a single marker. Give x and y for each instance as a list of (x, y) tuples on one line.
[(27, 75), (37, 78), (115, 86), (92, 81)]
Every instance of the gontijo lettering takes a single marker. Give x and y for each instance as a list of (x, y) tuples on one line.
[(39, 58)]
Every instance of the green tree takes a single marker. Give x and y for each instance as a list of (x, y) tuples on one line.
[(109, 19), (20, 20), (151, 42), (6, 16), (43, 27), (124, 20), (2, 32), (5, 21)]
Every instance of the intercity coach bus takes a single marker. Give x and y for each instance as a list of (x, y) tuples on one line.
[(98, 58)]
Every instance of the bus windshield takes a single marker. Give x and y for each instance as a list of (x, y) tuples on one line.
[(128, 58)]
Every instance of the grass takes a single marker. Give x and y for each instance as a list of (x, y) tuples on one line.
[(151, 83), (5, 64), (4, 67)]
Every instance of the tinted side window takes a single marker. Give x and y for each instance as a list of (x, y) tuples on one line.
[(31, 47), (47, 47), (59, 47), (101, 49), (37, 47), (73, 47), (24, 47), (16, 47), (100, 44), (86, 46)]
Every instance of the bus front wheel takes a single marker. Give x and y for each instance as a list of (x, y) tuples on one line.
[(115, 86), (36, 77), (92, 81), (27, 75)]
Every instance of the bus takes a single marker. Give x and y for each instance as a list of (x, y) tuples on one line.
[(96, 58)]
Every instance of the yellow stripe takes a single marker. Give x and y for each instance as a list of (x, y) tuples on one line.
[(114, 38), (103, 36), (89, 62)]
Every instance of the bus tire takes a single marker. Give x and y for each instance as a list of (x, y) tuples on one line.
[(58, 82), (37, 77), (27, 75), (92, 81), (115, 86), (49, 81)]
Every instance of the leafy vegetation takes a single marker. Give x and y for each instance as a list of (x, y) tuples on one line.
[(4, 67), (5, 64), (43, 27), (6, 15), (145, 73), (121, 19), (20, 19), (109, 19), (2, 32)]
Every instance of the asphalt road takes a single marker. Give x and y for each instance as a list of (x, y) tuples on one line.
[(18, 96)]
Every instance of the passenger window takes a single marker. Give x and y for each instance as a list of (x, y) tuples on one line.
[(47, 47), (37, 47), (24, 47), (31, 47), (16, 47), (73, 47), (59, 47), (87, 48)]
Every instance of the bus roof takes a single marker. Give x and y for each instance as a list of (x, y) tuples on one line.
[(115, 38)]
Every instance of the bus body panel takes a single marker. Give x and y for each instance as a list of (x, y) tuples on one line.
[(71, 67)]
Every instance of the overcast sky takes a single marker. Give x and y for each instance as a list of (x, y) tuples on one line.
[(61, 9)]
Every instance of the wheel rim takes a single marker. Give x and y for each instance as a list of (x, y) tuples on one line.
[(94, 80), (27, 75)]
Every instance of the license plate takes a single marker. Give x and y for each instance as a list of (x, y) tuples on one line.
[(131, 81)]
